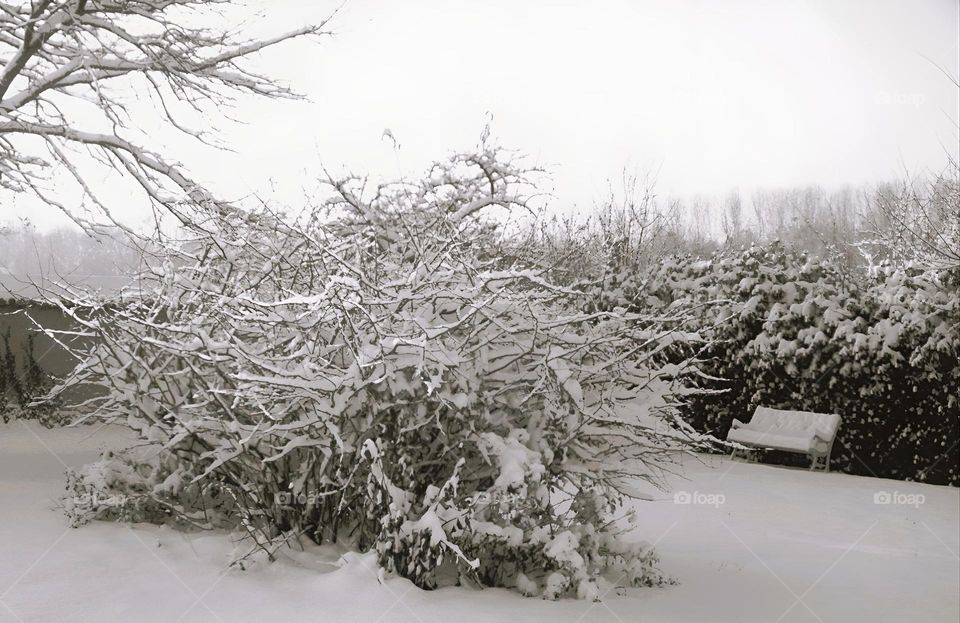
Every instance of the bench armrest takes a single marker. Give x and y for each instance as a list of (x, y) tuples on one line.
[(822, 434)]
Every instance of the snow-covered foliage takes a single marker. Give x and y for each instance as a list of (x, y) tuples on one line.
[(21, 382), (785, 330), (378, 375)]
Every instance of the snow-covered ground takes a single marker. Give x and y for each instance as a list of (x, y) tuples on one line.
[(755, 543)]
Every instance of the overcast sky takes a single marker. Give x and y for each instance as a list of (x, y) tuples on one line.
[(709, 96)]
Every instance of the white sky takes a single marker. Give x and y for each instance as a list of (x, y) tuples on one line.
[(709, 96)]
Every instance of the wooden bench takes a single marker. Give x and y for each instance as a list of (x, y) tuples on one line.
[(791, 431)]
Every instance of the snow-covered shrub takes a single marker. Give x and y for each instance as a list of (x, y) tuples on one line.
[(114, 488), (785, 330), (377, 375)]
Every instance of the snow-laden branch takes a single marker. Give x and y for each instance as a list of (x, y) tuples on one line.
[(76, 60)]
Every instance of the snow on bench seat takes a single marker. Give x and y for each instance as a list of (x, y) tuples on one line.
[(792, 431)]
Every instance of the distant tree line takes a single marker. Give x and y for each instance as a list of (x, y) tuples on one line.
[(910, 220), (62, 254)]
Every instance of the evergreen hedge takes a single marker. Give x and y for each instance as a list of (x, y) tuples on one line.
[(881, 348)]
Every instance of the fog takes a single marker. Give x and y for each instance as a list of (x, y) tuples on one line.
[(704, 97)]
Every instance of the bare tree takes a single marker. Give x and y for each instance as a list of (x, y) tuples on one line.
[(69, 68), (731, 220), (919, 219)]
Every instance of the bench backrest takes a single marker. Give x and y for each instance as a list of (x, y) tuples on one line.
[(786, 422)]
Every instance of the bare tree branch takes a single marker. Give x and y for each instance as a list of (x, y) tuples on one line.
[(70, 67)]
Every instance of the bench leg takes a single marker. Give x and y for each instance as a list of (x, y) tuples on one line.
[(747, 456), (820, 462), (743, 455)]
